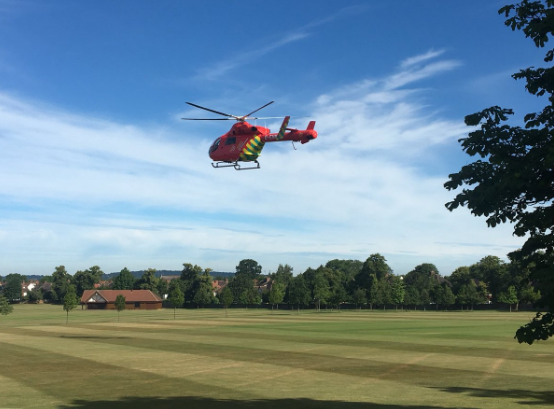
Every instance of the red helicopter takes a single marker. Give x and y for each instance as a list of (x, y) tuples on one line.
[(244, 142)]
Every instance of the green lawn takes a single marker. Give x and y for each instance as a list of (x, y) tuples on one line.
[(253, 359)]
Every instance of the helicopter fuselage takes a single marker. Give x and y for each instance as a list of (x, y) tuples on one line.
[(244, 142)]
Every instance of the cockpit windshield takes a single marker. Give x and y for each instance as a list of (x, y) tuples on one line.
[(215, 145)]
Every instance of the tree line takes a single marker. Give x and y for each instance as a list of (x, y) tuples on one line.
[(371, 283)]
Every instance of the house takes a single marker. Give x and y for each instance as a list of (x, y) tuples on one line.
[(28, 287), (134, 299), (263, 284), (103, 284), (218, 285)]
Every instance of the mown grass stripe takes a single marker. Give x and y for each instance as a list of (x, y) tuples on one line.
[(417, 374), (67, 377)]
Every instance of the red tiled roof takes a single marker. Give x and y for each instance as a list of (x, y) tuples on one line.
[(130, 295)]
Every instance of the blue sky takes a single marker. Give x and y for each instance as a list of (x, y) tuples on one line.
[(97, 167)]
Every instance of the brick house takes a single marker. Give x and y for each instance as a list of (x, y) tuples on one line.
[(134, 299)]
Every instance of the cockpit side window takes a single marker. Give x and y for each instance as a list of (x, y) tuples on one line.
[(231, 140)]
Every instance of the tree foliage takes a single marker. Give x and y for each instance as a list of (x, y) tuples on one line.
[(204, 289), (176, 297), (84, 280), (226, 297), (148, 280), (12, 288), (5, 307), (249, 268), (119, 304), (70, 301), (509, 296), (512, 179), (61, 281), (124, 281), (276, 294), (299, 293)]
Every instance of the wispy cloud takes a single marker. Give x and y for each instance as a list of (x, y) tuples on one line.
[(384, 114), (418, 59), (222, 67)]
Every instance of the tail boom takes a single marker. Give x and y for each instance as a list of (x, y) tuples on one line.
[(295, 135)]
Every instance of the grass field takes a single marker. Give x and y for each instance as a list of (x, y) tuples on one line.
[(255, 359)]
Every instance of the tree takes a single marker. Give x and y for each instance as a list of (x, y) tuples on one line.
[(509, 297), (176, 297), (249, 268), (119, 304), (21, 278), (124, 281), (283, 274), (527, 294), (338, 295), (359, 297), (422, 277), (321, 290), (60, 284), (411, 296), (189, 280), (83, 280), (459, 277), (226, 298), (494, 272), (35, 295), (383, 293), (512, 180), (5, 307), (469, 295), (350, 268), (205, 291), (69, 301), (162, 287), (148, 280), (373, 292), (424, 299), (375, 265), (276, 294), (242, 288), (13, 287), (397, 291), (299, 292), (444, 295)]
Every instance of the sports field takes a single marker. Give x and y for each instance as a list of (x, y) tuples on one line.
[(255, 359)]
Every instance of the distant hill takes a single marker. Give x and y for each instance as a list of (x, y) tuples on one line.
[(138, 274), (165, 273)]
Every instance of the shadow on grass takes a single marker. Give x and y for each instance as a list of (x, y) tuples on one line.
[(192, 402), (90, 337), (526, 397)]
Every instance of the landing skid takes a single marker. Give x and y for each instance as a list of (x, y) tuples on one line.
[(235, 165), (218, 165)]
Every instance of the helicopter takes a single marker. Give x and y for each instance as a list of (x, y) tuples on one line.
[(244, 142)]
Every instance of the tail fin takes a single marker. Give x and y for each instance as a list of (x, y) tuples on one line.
[(311, 125), (283, 128)]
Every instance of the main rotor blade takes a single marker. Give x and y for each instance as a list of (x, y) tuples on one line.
[(274, 117), (209, 119), (247, 115), (214, 111)]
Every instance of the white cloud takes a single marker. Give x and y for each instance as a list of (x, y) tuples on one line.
[(80, 191), (415, 60)]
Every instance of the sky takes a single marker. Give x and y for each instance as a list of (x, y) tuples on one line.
[(97, 168)]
